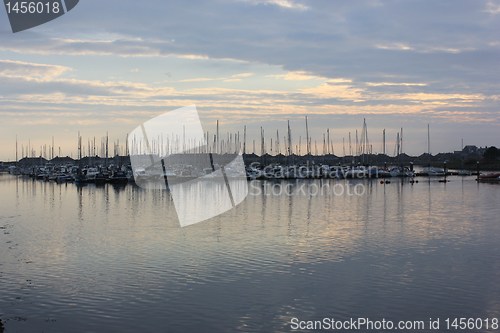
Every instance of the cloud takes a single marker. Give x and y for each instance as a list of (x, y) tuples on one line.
[(193, 56), (232, 78), (238, 77), (30, 71), (395, 47), (436, 97), (388, 58), (360, 40), (50, 87), (395, 84), (243, 75), (123, 46), (287, 4), (421, 48), (200, 79), (492, 8), (297, 76), (338, 91)]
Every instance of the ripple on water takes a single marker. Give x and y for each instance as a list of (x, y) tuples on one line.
[(116, 259)]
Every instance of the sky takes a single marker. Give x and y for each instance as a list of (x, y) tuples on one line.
[(107, 66)]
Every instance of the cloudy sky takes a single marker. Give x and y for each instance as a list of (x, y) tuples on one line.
[(110, 65)]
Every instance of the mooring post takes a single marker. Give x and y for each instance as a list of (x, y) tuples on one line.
[(445, 171)]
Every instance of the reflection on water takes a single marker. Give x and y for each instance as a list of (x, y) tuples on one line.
[(114, 259)]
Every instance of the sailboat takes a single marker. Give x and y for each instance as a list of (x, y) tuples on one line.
[(429, 170), (462, 171), (400, 171)]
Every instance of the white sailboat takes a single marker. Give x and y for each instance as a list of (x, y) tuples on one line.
[(429, 170)]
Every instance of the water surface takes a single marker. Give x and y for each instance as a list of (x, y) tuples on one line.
[(114, 259)]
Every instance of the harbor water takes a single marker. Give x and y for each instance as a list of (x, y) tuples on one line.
[(115, 259)]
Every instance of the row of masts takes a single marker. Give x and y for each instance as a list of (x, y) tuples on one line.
[(93, 148), (229, 142)]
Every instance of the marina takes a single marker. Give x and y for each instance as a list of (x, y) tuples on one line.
[(101, 174), (184, 159)]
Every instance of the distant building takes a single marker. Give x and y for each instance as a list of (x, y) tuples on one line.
[(32, 161), (62, 160), (470, 151)]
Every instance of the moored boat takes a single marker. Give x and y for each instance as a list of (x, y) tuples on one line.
[(493, 177)]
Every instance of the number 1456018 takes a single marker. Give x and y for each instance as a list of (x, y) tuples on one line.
[(33, 7), (471, 323)]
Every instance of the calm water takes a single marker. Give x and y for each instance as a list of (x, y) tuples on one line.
[(114, 259)]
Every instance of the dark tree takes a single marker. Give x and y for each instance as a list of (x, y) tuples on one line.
[(491, 154)]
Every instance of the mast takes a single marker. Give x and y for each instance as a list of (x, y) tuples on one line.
[(398, 142), (126, 146), (278, 150), (79, 146), (308, 145), (357, 143), (328, 141), (245, 139), (290, 148), (383, 142), (324, 144), (184, 139), (262, 148), (237, 147), (350, 145), (367, 142), (364, 144), (217, 138), (428, 139), (107, 148), (401, 140)]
